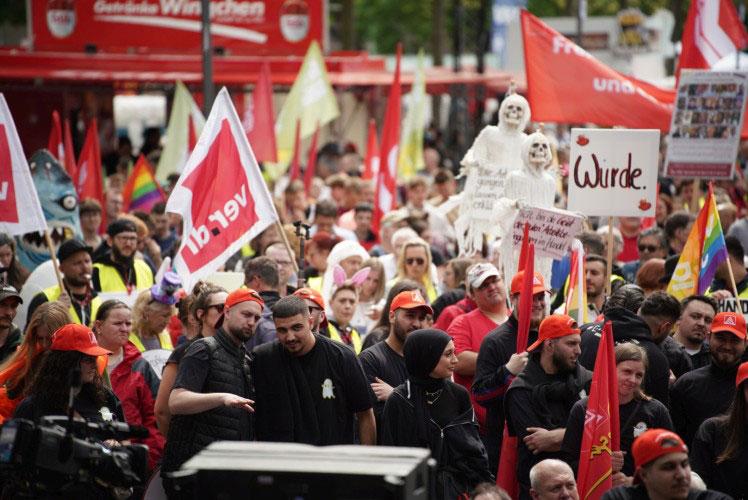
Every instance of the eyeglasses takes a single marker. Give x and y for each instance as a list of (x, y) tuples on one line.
[(415, 260), (648, 248), (217, 307)]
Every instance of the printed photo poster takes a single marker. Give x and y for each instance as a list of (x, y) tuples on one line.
[(706, 124), (613, 172), (551, 230)]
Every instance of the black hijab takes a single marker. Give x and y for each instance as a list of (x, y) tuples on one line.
[(423, 349)]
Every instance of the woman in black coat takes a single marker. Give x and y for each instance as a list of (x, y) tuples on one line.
[(430, 411)]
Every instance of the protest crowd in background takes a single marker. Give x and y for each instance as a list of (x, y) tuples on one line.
[(538, 336)]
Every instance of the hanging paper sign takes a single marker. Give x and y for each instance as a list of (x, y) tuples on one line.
[(552, 230), (613, 172)]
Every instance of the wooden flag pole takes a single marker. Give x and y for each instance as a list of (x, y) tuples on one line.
[(288, 246), (732, 278), (609, 267), (53, 255)]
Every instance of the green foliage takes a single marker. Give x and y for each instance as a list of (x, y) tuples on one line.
[(383, 23)]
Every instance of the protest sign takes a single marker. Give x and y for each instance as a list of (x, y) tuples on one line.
[(613, 172), (551, 230), (734, 305), (706, 124)]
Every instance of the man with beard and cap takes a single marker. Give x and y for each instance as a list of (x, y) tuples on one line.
[(210, 400), (538, 401), (498, 363), (485, 286), (383, 362), (119, 270), (707, 391), (10, 334), (663, 471), (308, 388), (697, 313), (83, 303), (621, 310), (316, 305)]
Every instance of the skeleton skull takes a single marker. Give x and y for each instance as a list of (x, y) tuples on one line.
[(514, 112), (538, 151)]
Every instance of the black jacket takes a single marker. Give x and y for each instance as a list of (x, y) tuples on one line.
[(730, 476), (457, 447), (679, 360), (638, 492), (698, 395), (628, 327)]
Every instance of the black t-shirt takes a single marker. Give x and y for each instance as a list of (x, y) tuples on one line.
[(381, 361), (194, 367), (178, 353), (32, 409), (339, 389), (639, 492)]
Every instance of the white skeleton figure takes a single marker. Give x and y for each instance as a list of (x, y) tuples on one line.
[(534, 185), (495, 153)]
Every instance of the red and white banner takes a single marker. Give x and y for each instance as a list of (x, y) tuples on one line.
[(249, 27), (20, 211), (260, 119), (566, 84), (221, 195), (713, 30)]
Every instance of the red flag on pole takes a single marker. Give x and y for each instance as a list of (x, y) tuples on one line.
[(507, 475), (90, 178), (69, 164), (55, 144), (311, 162), (387, 176), (523, 248), (191, 134), (221, 196), (295, 168), (261, 134), (371, 165), (601, 423)]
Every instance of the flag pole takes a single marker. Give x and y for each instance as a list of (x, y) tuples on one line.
[(288, 246), (609, 264), (53, 255), (732, 279)]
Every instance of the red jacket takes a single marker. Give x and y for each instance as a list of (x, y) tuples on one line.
[(136, 385)]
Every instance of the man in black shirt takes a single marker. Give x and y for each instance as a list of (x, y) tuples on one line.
[(708, 391), (261, 274), (384, 362), (308, 388), (697, 313)]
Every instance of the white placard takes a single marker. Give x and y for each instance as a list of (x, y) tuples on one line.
[(552, 230), (613, 172)]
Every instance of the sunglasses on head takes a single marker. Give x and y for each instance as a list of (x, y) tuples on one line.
[(415, 260), (648, 248)]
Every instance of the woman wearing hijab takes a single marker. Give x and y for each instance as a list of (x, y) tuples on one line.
[(431, 411)]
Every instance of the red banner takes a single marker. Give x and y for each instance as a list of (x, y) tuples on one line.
[(251, 27), (566, 84)]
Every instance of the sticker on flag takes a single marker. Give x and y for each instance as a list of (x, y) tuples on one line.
[(552, 230), (613, 172), (221, 196)]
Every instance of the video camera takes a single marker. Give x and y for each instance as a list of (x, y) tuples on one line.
[(59, 456)]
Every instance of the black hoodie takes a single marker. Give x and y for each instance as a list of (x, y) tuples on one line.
[(628, 327)]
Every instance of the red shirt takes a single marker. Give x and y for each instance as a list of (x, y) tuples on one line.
[(468, 331), (630, 250)]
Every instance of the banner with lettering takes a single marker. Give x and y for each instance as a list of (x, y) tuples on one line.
[(613, 172), (551, 230), (734, 305)]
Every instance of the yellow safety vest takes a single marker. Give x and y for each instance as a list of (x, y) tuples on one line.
[(164, 339), (315, 283), (355, 337), (111, 281), (53, 293)]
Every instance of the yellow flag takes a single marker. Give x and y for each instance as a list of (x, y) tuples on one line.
[(311, 101), (410, 159), (176, 150)]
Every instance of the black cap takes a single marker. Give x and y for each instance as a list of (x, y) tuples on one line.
[(7, 291), (72, 246), (121, 226)]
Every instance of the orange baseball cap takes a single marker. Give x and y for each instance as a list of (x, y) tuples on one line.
[(729, 322), (74, 337), (411, 299), (311, 294), (742, 374), (243, 294), (538, 284), (553, 327), (653, 444)]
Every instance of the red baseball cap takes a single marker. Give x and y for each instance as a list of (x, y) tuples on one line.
[(311, 294), (538, 284), (553, 327), (653, 444), (729, 322), (243, 294), (411, 299), (742, 374), (74, 337)]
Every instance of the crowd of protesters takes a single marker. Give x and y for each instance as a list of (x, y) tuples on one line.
[(395, 339)]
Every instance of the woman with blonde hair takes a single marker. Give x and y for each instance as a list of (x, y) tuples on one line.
[(150, 316), (370, 295), (414, 262), (17, 372)]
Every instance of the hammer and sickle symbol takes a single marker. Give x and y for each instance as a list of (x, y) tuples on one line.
[(603, 446)]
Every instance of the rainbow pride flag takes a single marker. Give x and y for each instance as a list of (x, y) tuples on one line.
[(705, 249), (576, 295), (142, 190)]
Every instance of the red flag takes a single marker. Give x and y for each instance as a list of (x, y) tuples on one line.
[(55, 145), (295, 168), (713, 30), (90, 182), (523, 248), (371, 165), (311, 162), (387, 176), (262, 132), (601, 424), (221, 196), (566, 84), (191, 134), (70, 165), (507, 475)]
